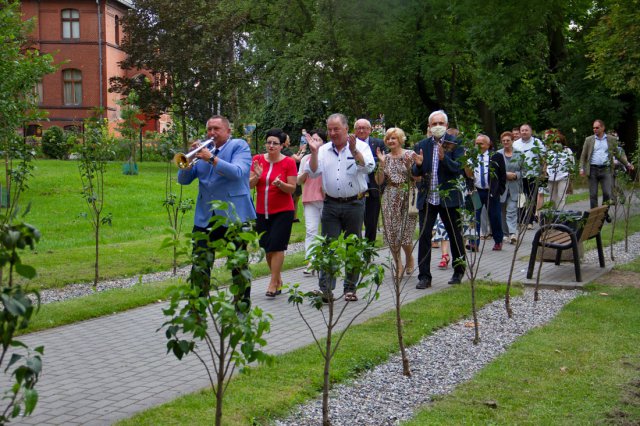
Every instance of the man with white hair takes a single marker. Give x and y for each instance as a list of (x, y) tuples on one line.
[(437, 162), (372, 202), (533, 150)]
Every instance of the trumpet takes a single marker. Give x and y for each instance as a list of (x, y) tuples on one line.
[(184, 161)]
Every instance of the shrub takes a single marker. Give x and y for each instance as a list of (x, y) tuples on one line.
[(55, 144)]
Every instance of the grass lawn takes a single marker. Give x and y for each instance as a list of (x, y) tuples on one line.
[(130, 247), (582, 368)]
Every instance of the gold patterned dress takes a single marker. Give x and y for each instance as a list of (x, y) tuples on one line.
[(399, 227)]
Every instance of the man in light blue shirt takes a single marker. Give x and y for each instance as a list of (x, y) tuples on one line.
[(597, 161)]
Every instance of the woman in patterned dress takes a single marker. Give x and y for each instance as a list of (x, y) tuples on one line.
[(394, 170)]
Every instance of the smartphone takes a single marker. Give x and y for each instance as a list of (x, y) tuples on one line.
[(303, 138)]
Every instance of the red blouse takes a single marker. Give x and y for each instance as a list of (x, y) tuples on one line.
[(270, 198)]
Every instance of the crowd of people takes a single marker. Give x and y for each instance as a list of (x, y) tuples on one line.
[(346, 180)]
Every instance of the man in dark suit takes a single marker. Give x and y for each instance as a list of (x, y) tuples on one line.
[(437, 163), (372, 202), (490, 177)]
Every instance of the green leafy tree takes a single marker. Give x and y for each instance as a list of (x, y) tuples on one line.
[(176, 207), (333, 257), (17, 308), (194, 82), (615, 46), (21, 68), (96, 150), (129, 126), (217, 325)]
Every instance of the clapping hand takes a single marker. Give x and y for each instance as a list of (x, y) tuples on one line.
[(277, 182), (418, 158), (352, 142), (257, 168), (440, 151), (313, 144)]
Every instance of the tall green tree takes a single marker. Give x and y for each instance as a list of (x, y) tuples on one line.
[(21, 67), (190, 47), (614, 49), (130, 127)]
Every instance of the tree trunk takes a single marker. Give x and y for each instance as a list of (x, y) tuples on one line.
[(220, 381), (96, 266), (488, 117), (406, 371), (327, 366), (476, 326)]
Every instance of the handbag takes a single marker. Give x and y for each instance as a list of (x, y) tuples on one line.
[(522, 200), (413, 201)]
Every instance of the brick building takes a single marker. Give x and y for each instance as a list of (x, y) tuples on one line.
[(84, 38)]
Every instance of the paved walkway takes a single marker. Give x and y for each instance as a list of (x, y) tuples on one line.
[(98, 371)]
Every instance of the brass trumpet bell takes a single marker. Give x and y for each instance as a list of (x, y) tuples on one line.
[(184, 161)]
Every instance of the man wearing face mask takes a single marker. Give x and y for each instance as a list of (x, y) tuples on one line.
[(439, 169)]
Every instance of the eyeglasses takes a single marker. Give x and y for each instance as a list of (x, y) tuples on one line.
[(271, 143)]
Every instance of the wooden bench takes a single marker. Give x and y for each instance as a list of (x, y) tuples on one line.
[(560, 237)]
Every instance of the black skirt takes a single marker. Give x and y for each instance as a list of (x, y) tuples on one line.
[(277, 230)]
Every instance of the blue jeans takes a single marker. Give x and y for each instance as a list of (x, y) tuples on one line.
[(601, 175), (336, 218)]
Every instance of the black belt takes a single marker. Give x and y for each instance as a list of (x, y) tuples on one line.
[(598, 167), (360, 196)]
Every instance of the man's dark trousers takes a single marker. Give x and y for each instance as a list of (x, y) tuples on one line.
[(340, 217), (204, 257), (602, 175), (451, 219)]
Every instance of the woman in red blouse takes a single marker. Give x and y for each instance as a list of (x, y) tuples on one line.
[(274, 176)]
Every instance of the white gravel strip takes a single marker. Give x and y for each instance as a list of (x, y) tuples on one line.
[(383, 396)]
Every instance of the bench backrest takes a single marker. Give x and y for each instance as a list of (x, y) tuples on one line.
[(594, 223)]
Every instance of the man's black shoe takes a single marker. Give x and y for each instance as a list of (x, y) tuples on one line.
[(471, 247), (607, 218), (455, 279), (422, 284)]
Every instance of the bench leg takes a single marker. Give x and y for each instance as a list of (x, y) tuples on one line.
[(600, 250), (576, 258), (532, 258), (558, 256)]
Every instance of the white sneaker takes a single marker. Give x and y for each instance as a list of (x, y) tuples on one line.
[(513, 238)]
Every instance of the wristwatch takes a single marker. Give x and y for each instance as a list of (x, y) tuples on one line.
[(213, 157)]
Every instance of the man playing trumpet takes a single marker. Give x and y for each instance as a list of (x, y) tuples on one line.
[(223, 174)]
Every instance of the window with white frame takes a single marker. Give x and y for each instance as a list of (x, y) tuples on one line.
[(70, 23)]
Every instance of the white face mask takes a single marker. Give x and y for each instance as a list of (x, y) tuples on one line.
[(438, 131)]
